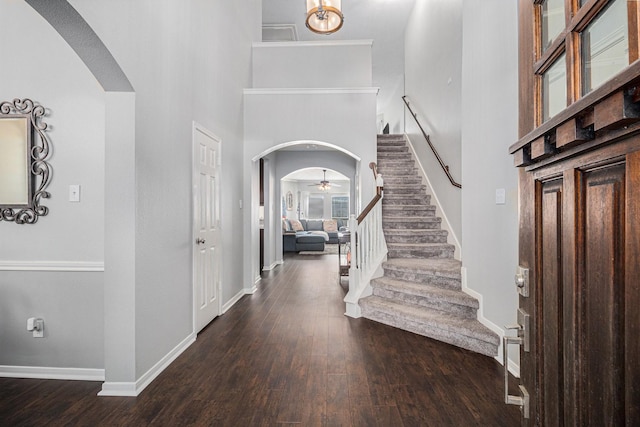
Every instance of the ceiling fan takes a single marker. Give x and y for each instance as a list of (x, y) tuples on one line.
[(324, 185)]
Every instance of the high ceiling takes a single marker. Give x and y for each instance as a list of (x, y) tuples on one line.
[(383, 21)]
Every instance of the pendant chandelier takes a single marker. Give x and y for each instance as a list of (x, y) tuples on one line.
[(324, 16)]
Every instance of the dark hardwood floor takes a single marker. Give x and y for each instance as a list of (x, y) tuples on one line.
[(287, 355)]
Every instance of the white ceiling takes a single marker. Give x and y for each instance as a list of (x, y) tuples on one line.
[(383, 21)]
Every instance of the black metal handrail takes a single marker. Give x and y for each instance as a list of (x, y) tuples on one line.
[(435, 152)]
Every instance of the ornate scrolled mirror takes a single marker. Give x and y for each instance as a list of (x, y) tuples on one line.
[(24, 171)]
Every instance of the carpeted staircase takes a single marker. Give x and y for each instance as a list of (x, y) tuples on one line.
[(421, 288)]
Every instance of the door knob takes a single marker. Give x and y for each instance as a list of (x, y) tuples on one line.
[(523, 327), (200, 241)]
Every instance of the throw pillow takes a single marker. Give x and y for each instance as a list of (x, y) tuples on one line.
[(295, 224), (285, 225), (330, 225)]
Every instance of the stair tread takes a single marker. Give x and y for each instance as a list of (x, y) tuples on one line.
[(388, 218), (421, 207), (424, 289), (444, 321), (410, 232), (445, 267), (418, 245), (403, 196)]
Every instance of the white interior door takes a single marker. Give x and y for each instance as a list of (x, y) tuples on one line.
[(206, 229)]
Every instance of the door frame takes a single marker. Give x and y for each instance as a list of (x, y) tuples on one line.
[(197, 127)]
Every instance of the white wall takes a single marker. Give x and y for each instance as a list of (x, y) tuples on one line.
[(291, 161), (305, 64), (433, 67), (187, 61), (305, 95), (41, 66), (343, 119), (489, 126), (462, 79)]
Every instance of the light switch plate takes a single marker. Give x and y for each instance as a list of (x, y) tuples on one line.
[(74, 193), (501, 196)]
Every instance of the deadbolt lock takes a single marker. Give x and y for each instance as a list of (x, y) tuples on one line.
[(522, 281)]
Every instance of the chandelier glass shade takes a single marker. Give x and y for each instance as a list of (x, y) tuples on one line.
[(324, 16)]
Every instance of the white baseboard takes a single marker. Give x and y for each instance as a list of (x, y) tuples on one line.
[(271, 267), (118, 389), (513, 367), (46, 373), (135, 388), (233, 301)]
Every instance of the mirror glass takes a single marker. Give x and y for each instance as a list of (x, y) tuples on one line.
[(15, 175)]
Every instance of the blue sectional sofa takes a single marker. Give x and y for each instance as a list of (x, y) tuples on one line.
[(310, 234)]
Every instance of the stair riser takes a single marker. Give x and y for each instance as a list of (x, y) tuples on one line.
[(399, 178), (431, 331), (397, 170), (399, 199), (442, 282), (406, 225), (392, 143), (396, 180), (416, 238), (399, 173), (407, 191), (393, 149), (410, 210), (426, 301), (421, 253), (394, 155), (391, 163), (411, 189)]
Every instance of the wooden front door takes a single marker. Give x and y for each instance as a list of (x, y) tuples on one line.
[(579, 237), (579, 184)]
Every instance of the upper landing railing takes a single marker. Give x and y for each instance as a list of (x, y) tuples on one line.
[(435, 152)]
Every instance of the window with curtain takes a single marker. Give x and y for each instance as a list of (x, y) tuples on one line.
[(340, 207), (316, 206)]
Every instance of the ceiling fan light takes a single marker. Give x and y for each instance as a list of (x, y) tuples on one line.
[(324, 16)]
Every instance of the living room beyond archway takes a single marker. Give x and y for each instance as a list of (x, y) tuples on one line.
[(315, 206)]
